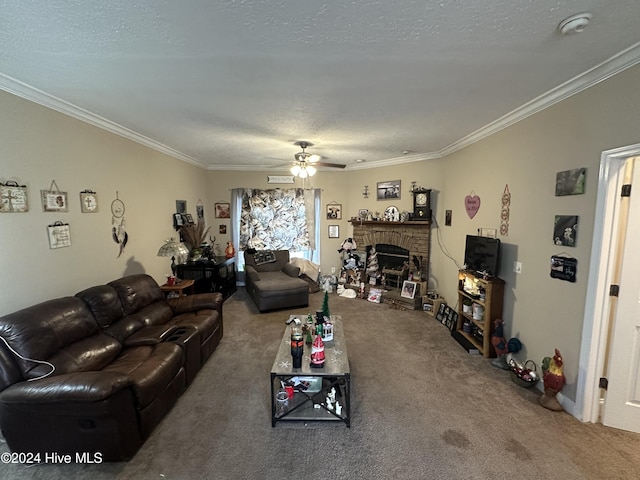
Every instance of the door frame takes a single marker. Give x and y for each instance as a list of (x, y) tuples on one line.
[(593, 348)]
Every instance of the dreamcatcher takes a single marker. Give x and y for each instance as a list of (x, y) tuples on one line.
[(118, 224)]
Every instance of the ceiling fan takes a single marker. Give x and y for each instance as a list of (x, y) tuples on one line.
[(306, 163)]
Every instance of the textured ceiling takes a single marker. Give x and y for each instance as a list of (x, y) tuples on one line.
[(232, 84)]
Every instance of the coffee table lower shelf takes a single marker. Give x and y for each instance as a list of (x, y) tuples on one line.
[(311, 406)]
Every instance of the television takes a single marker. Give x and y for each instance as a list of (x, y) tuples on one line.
[(482, 254)]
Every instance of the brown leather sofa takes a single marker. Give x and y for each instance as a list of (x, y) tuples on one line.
[(273, 282), (96, 372)]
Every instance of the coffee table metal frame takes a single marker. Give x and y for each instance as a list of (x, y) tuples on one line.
[(311, 406)]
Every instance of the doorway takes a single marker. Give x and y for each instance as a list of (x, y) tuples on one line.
[(601, 309)]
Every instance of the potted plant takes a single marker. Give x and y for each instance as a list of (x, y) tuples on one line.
[(466, 305), (194, 236)]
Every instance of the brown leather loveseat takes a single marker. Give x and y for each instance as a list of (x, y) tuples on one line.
[(95, 373)]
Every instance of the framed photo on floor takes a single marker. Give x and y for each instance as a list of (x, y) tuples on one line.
[(408, 289)]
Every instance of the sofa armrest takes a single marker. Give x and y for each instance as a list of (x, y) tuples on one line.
[(252, 273), (198, 301), (151, 335), (76, 387), (291, 270)]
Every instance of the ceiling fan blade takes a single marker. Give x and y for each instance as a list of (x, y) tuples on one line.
[(331, 165)]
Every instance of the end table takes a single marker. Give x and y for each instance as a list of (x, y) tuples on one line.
[(178, 287)]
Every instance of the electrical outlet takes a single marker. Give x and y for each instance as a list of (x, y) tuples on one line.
[(517, 267)]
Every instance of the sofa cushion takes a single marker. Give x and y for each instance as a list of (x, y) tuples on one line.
[(154, 314), (136, 292), (204, 321), (55, 331), (282, 258), (91, 353), (104, 303), (151, 368), (274, 284)]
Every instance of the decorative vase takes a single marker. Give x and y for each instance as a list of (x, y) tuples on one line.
[(195, 254)]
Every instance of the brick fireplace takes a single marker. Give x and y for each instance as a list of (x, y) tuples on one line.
[(412, 236)]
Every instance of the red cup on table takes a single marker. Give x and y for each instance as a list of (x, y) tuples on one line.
[(289, 390)]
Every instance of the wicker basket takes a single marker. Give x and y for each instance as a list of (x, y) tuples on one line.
[(524, 375)]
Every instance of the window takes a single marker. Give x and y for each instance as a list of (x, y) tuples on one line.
[(276, 220)]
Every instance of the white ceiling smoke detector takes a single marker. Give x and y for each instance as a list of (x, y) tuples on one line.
[(574, 23)]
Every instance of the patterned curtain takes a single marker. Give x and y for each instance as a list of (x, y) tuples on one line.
[(274, 220)]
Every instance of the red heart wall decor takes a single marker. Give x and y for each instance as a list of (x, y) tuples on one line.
[(472, 205)]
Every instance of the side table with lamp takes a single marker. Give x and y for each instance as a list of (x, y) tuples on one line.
[(174, 249)]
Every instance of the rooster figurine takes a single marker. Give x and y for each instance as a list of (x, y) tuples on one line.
[(553, 380)]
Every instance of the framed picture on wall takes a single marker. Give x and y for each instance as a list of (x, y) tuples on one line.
[(223, 210), (334, 211), (334, 231), (387, 190), (181, 206), (54, 201), (570, 182), (178, 221)]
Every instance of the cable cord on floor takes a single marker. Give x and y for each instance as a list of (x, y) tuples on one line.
[(53, 368)]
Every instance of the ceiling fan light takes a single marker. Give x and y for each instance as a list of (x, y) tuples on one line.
[(311, 170), (296, 170), (303, 172)]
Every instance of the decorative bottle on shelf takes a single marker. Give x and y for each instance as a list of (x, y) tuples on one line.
[(297, 345), (319, 322)]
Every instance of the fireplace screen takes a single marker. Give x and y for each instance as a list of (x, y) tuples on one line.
[(391, 257)]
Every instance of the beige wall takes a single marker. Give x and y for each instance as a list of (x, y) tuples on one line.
[(40, 145), (342, 187), (543, 312)]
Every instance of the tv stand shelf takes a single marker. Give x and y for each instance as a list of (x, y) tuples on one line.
[(475, 326)]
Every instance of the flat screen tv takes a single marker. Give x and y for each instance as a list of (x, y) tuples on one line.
[(482, 254)]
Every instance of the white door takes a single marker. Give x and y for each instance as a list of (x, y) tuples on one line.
[(622, 400)]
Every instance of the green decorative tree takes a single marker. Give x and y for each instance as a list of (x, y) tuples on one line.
[(325, 305)]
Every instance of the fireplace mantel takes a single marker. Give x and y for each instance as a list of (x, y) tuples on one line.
[(417, 223)]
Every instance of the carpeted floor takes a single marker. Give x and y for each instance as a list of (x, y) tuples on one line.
[(422, 408)]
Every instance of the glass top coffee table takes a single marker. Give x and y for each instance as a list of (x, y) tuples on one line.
[(319, 394)]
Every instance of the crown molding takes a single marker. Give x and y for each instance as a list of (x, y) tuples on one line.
[(607, 69), (35, 95), (418, 157)]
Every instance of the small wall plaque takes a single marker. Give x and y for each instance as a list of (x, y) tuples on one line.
[(280, 179), (53, 200), (13, 197)]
